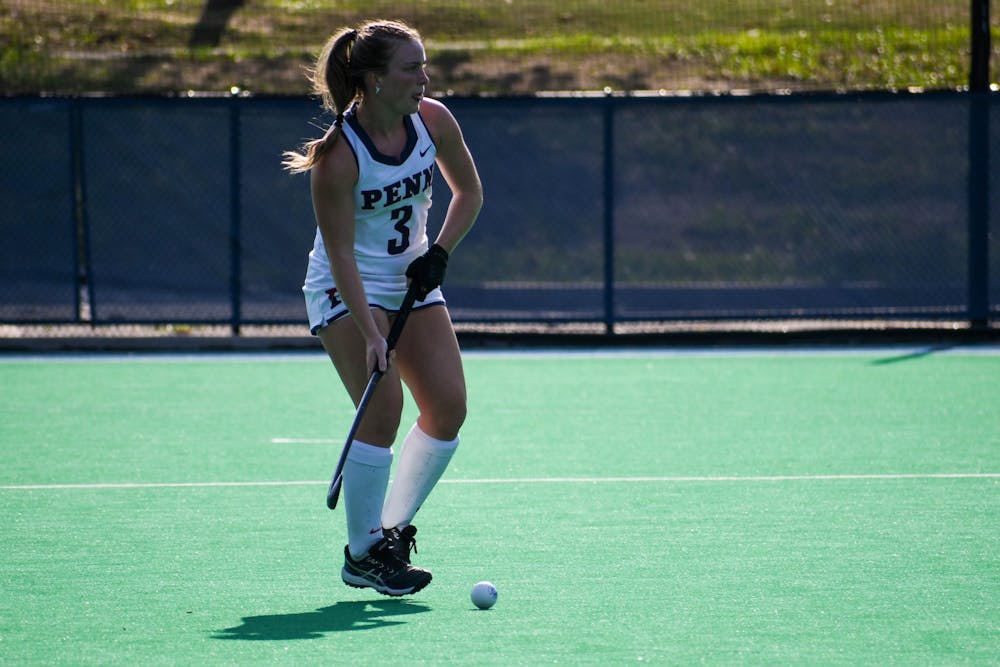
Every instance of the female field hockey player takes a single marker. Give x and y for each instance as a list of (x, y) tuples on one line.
[(370, 178)]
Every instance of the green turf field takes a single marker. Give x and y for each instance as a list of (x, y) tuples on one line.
[(749, 508)]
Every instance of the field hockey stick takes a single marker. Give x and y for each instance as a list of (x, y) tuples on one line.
[(333, 493)]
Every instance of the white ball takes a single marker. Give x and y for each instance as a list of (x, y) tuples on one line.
[(484, 595)]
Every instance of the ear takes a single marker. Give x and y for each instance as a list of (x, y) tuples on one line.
[(372, 82)]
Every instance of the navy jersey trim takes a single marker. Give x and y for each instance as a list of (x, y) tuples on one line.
[(426, 128), (327, 321), (357, 162), (378, 156)]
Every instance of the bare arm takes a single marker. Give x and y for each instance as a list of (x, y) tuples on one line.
[(332, 182), (458, 169)]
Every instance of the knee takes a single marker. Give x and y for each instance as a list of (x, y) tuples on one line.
[(378, 430), (457, 413), (381, 422), (446, 419), (385, 427)]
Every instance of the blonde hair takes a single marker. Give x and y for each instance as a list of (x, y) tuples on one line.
[(338, 78)]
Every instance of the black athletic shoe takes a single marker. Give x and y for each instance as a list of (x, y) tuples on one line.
[(382, 570), (402, 541)]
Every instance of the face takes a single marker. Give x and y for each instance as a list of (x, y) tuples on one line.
[(403, 83)]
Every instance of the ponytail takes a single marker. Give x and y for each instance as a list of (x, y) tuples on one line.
[(338, 78), (337, 87)]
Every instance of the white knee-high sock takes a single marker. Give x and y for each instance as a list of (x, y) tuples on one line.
[(366, 476), (422, 461)]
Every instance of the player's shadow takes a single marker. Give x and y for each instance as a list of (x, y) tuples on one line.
[(911, 356), (340, 617)]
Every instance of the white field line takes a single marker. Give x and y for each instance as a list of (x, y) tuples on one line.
[(534, 480), (304, 441)]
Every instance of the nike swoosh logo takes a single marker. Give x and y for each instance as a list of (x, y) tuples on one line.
[(424, 152), (374, 530)]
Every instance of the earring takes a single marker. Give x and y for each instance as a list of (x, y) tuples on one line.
[(378, 89)]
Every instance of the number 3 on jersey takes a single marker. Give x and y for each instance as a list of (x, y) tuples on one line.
[(402, 216)]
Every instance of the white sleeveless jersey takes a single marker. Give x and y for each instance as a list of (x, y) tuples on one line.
[(391, 202)]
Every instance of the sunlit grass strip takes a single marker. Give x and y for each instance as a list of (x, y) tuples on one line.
[(854, 59)]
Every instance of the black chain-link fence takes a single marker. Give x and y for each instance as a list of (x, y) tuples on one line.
[(622, 206), (602, 209)]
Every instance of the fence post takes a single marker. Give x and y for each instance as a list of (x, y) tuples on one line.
[(235, 213), (84, 288), (979, 167), (979, 210), (609, 212), (979, 71), (76, 208)]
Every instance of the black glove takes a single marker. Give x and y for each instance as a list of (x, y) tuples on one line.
[(427, 271)]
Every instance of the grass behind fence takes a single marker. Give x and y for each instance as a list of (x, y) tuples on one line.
[(480, 46)]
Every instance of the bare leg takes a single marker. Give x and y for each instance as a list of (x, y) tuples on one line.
[(346, 347)]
